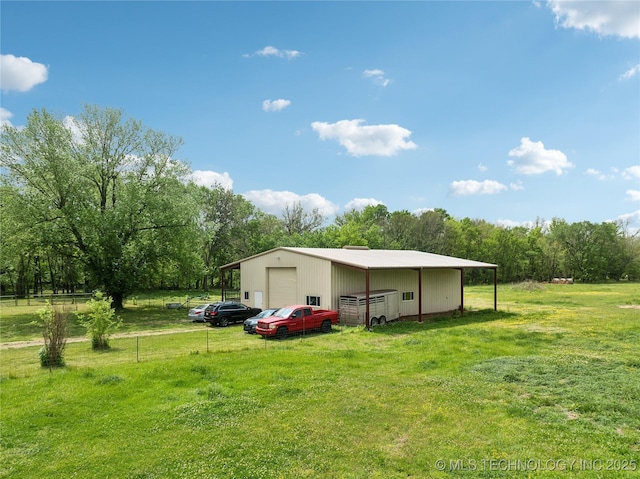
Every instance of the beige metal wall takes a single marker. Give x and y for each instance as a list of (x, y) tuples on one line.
[(316, 277), (313, 277), (440, 290), (440, 287)]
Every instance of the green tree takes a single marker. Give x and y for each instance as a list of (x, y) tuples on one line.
[(103, 189), (230, 227), (101, 321), (54, 331), (298, 221), (363, 228)]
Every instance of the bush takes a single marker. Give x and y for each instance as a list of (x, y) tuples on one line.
[(100, 321), (54, 330)]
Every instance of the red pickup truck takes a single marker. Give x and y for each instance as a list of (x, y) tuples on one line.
[(294, 319)]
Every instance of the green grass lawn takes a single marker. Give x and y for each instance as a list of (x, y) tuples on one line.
[(548, 386)]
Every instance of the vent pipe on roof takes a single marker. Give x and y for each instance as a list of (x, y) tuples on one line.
[(354, 247)]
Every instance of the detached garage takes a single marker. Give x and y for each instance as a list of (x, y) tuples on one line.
[(426, 283)]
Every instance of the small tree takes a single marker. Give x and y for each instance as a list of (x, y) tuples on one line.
[(100, 321), (54, 330)]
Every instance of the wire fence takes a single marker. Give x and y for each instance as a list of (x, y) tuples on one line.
[(42, 299), (19, 359)]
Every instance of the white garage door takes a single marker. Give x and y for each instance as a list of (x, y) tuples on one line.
[(282, 287)]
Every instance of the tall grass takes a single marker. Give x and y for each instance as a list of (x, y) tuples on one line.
[(547, 386)]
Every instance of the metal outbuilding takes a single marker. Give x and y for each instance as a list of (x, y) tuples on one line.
[(427, 283)]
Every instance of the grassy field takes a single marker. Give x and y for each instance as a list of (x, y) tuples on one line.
[(548, 386)]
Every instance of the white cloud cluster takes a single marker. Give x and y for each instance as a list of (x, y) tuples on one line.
[(211, 179), (533, 159), (275, 105), (270, 51), (632, 173), (5, 117), (359, 140), (630, 73), (377, 76), (600, 175), (361, 203), (631, 218), (617, 18), (275, 201), (20, 73), (634, 195), (473, 187)]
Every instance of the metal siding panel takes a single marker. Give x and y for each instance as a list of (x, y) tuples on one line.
[(314, 279), (440, 290), (345, 281)]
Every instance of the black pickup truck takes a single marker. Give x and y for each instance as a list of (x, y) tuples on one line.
[(222, 314)]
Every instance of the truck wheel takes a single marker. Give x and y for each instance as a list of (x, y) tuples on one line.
[(326, 326), (282, 332), (224, 322), (382, 320)]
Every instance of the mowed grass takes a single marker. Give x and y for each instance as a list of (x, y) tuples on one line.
[(548, 386)]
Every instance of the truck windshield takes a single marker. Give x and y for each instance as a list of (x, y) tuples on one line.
[(283, 313)]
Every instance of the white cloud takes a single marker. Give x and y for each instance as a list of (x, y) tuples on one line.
[(473, 187), (270, 51), (74, 126), (634, 195), (630, 73), (482, 167), (20, 73), (632, 173), (377, 140), (275, 201), (533, 159), (419, 211), (517, 186), (360, 203), (618, 18), (275, 105), (508, 223), (211, 179), (377, 76), (600, 175), (515, 224), (631, 218), (5, 117)]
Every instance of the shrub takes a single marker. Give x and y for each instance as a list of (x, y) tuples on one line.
[(100, 321), (54, 330)]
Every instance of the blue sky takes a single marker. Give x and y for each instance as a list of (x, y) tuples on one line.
[(504, 111)]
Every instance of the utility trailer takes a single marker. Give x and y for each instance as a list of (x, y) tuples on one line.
[(384, 306)]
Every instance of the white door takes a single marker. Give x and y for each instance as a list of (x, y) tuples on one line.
[(257, 299)]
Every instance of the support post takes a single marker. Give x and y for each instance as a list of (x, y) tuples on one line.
[(367, 320), (419, 295), (495, 289), (461, 290)]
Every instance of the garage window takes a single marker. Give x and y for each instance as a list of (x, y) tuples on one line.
[(407, 296), (246, 295), (313, 300)]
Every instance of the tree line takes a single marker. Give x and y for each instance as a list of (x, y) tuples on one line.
[(100, 202)]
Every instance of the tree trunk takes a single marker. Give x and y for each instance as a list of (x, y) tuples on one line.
[(117, 301)]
